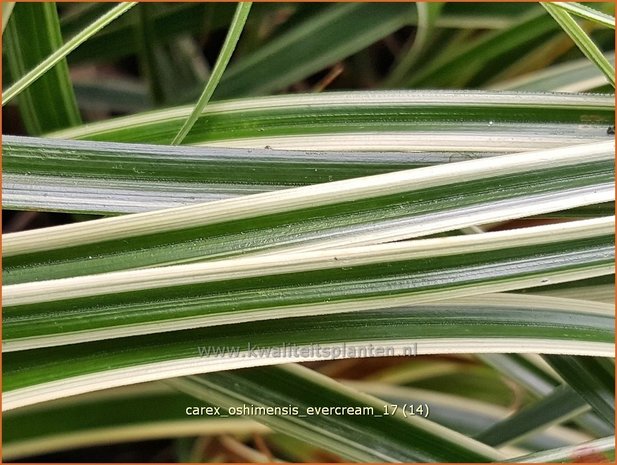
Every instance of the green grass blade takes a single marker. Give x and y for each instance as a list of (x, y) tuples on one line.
[(488, 16), (582, 40), (146, 39), (147, 412), (320, 41), (523, 372), (38, 375), (360, 438), (116, 196), (55, 174), (473, 228), (118, 41), (388, 120), (58, 55), (212, 293), (559, 406), (49, 103), (235, 29), (360, 211), (117, 96), (571, 76), (77, 17), (588, 13), (462, 413), (7, 10), (592, 378), (540, 382), (181, 70)]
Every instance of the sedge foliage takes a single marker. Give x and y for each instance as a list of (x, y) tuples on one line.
[(430, 180)]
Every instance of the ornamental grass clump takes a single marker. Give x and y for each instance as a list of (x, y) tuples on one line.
[(308, 232)]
